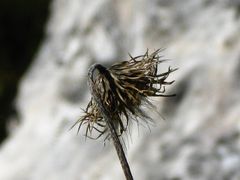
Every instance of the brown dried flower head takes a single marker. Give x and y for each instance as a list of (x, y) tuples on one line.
[(123, 89)]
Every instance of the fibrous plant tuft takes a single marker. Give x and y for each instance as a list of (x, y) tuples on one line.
[(123, 89)]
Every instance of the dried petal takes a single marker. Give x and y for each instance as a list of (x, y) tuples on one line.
[(123, 88)]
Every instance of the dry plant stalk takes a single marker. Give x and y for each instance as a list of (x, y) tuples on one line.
[(118, 94), (123, 88)]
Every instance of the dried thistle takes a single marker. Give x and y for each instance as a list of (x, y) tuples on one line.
[(123, 89)]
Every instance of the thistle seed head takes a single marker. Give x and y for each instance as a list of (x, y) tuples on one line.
[(123, 88)]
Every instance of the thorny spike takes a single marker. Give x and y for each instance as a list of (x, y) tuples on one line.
[(123, 88)]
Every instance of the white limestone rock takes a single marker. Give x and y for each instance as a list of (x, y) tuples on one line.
[(200, 138)]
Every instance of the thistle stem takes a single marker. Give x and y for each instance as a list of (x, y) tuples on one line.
[(108, 118)]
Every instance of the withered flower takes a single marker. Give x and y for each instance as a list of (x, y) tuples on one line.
[(123, 89)]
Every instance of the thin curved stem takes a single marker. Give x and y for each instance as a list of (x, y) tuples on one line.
[(108, 118)]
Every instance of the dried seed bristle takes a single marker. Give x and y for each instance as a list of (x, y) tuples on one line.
[(123, 88)]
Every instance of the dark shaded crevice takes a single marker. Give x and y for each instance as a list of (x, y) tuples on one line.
[(22, 28), (181, 88), (171, 104), (237, 71)]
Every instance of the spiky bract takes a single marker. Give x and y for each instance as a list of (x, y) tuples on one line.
[(124, 88)]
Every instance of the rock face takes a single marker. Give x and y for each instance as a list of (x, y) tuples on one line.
[(200, 138)]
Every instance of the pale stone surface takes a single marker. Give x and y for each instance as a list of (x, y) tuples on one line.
[(200, 138)]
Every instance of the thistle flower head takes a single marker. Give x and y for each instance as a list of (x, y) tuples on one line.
[(123, 88)]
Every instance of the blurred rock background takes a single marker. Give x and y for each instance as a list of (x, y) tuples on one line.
[(200, 138), (21, 30)]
